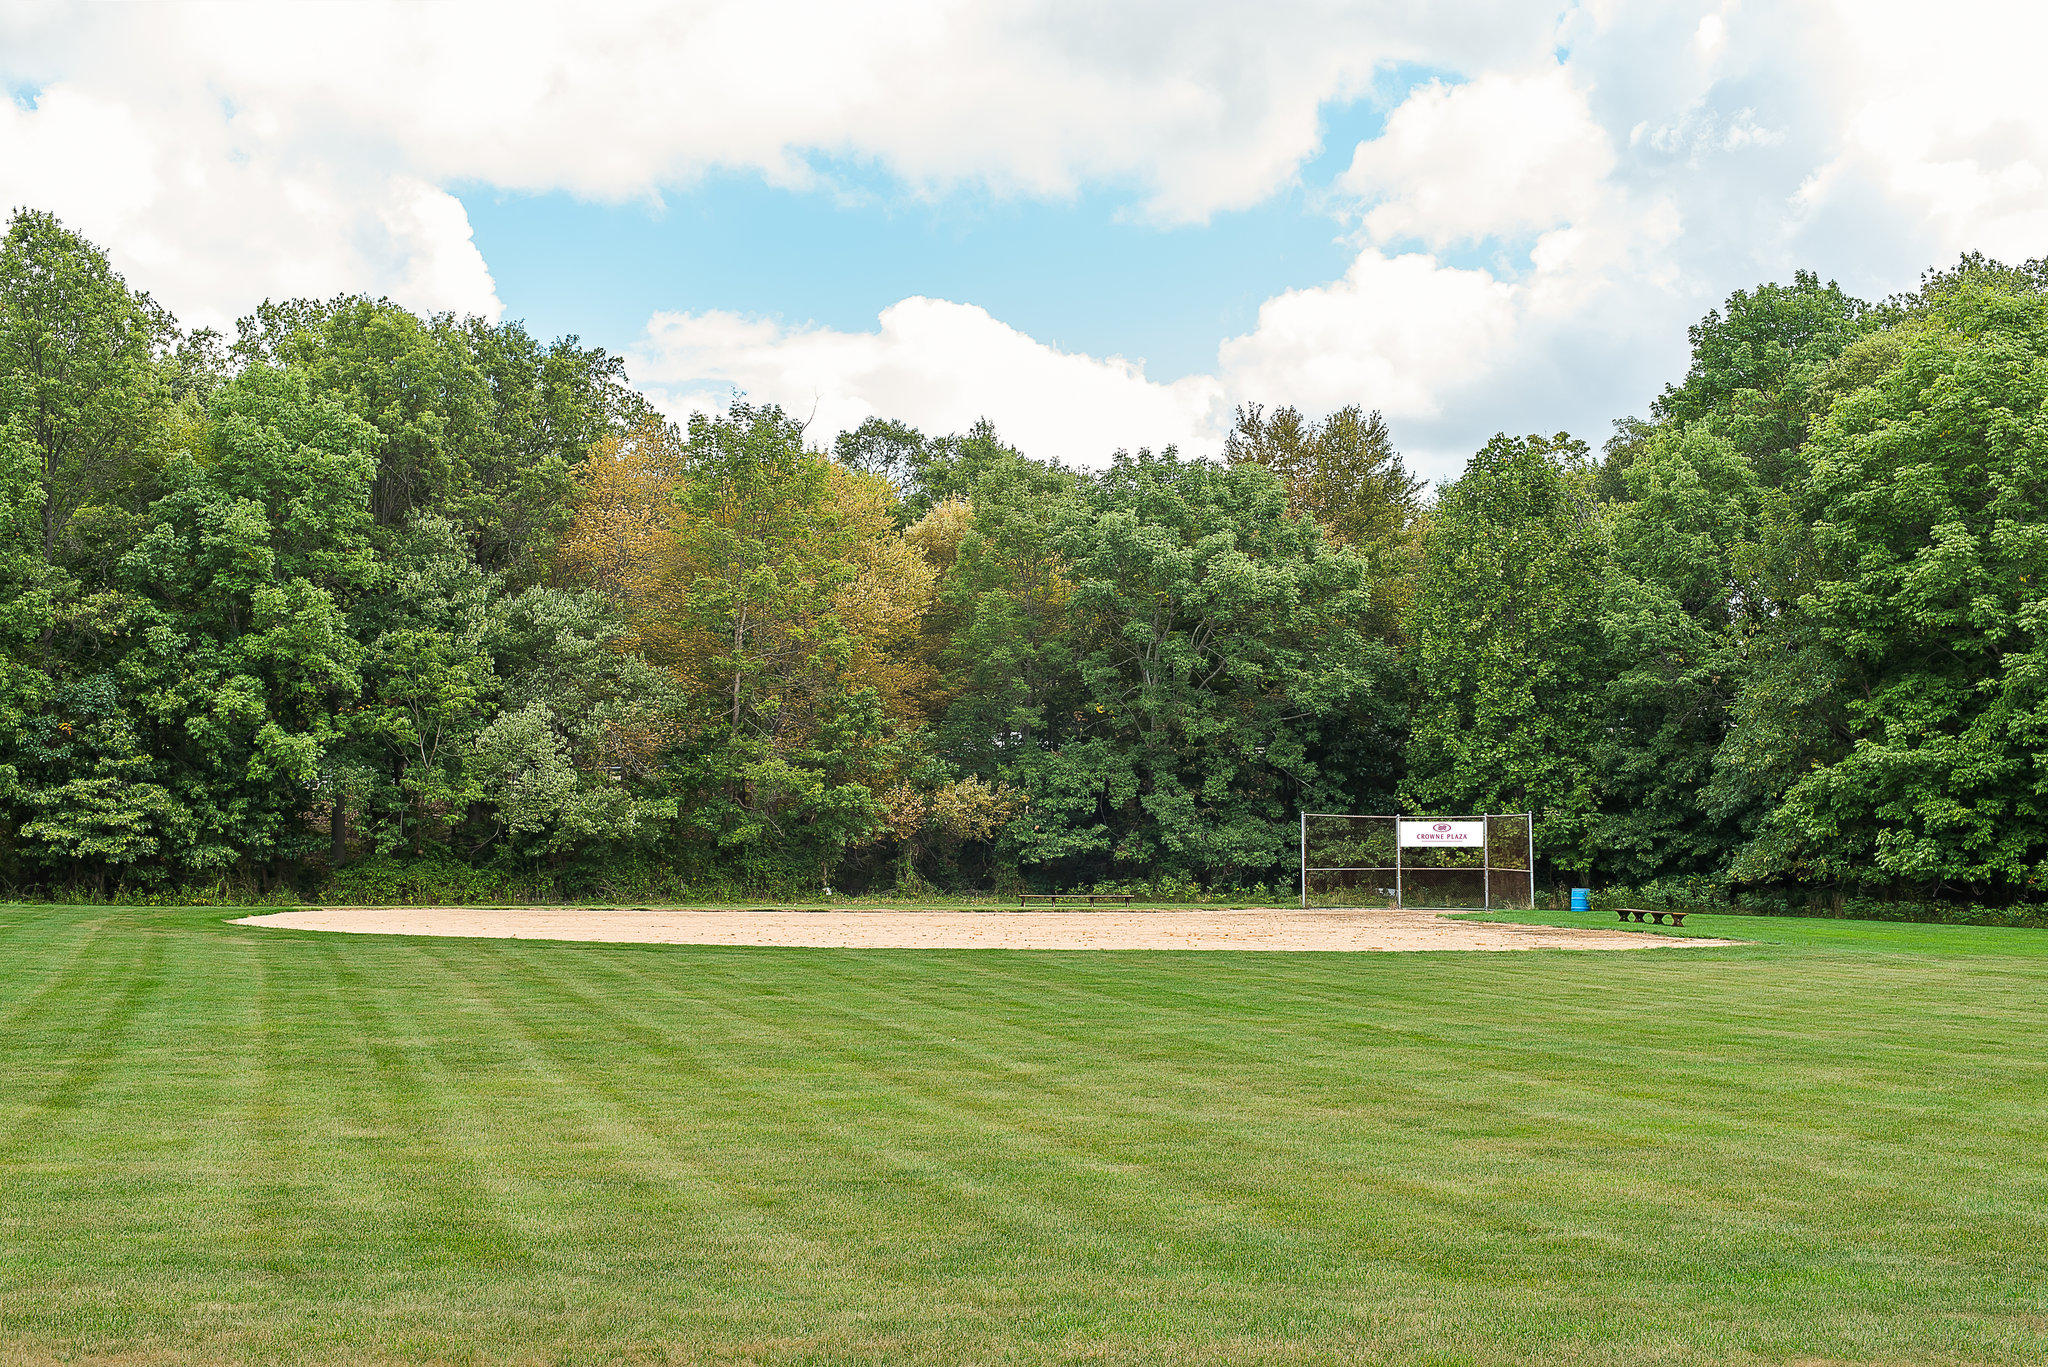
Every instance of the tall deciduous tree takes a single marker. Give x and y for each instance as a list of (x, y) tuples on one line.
[(412, 379), (79, 374), (1002, 612), (550, 405), (883, 446), (1681, 604), (481, 424), (745, 589), (1217, 647), (1754, 363), (230, 646), (26, 618), (1343, 471), (1897, 715), (1506, 644)]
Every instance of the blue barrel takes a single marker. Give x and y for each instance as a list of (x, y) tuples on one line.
[(1582, 899)]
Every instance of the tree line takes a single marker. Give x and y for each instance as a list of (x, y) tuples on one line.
[(358, 599)]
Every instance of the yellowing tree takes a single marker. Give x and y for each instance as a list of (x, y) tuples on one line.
[(623, 506), (882, 607), (775, 588)]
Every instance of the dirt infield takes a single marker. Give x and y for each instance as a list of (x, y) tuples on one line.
[(1263, 929)]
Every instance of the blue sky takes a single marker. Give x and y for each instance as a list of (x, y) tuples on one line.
[(1080, 275), (1100, 226), (1080, 272)]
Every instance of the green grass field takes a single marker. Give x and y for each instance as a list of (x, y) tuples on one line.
[(219, 1143)]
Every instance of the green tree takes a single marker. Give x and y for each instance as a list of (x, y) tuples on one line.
[(883, 446), (572, 762), (1681, 602), (196, 743), (739, 592), (430, 686), (412, 379), (1897, 712), (940, 468), (481, 423), (79, 374), (1217, 647), (1754, 363), (1506, 647), (1005, 652), (549, 405), (1972, 270), (1343, 471), (87, 801), (26, 618)]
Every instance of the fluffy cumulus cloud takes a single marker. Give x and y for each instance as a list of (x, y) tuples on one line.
[(1532, 223), (1533, 239), (937, 365), (1533, 233), (1397, 328), (1501, 154), (270, 148), (1939, 128), (212, 221), (626, 99)]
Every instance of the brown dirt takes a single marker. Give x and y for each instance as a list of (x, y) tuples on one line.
[(1219, 928)]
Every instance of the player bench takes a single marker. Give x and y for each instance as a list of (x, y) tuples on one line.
[(1025, 899), (1677, 917)]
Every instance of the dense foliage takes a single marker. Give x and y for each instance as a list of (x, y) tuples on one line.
[(359, 598)]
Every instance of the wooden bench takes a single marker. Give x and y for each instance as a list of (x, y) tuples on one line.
[(1677, 917), (1025, 899)]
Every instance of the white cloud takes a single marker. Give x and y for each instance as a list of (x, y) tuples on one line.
[(1502, 154), (198, 213), (1395, 332), (1452, 354), (1433, 345), (628, 99), (1708, 38), (308, 148), (1939, 126), (1417, 335), (937, 365), (1537, 222), (1520, 337)]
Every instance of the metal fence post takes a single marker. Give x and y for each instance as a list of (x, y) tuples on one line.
[(1529, 829), (1486, 858), (1304, 861), (1397, 862)]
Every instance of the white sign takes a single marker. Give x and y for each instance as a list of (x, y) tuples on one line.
[(1468, 833)]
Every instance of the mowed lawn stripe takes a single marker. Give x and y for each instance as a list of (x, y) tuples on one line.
[(685, 1235), (68, 1036), (929, 1146), (877, 1153), (650, 1105), (116, 1049), (301, 1147), (958, 1089), (46, 951)]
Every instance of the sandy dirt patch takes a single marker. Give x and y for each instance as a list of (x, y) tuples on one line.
[(991, 929)]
